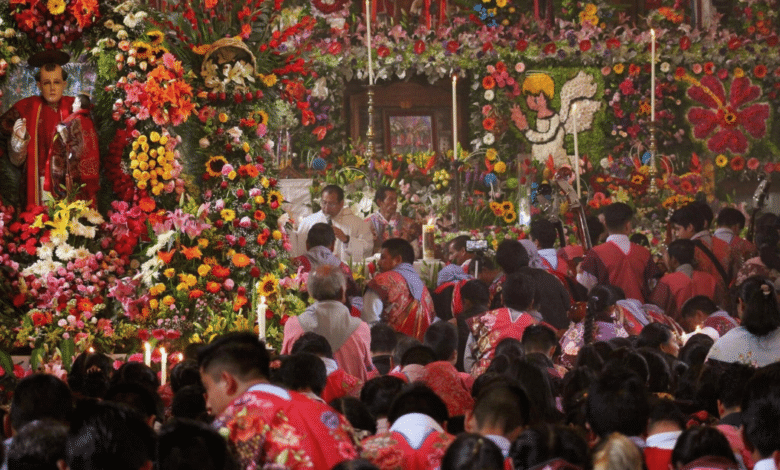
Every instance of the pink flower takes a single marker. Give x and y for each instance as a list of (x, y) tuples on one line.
[(753, 163)]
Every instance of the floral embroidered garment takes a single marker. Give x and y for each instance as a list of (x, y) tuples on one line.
[(270, 427), (400, 309), (489, 329), (739, 345), (414, 442)]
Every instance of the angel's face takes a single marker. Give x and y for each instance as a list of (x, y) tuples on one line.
[(536, 102)]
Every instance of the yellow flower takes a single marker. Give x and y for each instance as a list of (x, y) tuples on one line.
[(153, 304), (277, 235), (591, 9), (739, 73), (245, 147), (510, 217), (227, 215), (500, 167), (154, 136), (500, 3), (268, 285), (223, 117), (618, 68), (182, 286), (203, 269), (157, 37), (169, 300), (264, 181), (721, 160), (507, 206), (56, 7), (269, 80), (169, 273), (203, 242), (263, 117), (215, 164), (259, 200), (157, 289), (496, 208), (491, 154)]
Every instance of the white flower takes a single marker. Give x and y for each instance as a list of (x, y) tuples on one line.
[(489, 95), (604, 162), (320, 89), (122, 34), (162, 240), (92, 216), (489, 138), (132, 19), (45, 251), (148, 271), (82, 253), (204, 143), (235, 133), (81, 230), (62, 323), (665, 67), (66, 252)]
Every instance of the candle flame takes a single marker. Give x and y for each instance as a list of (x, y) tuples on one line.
[(91, 350), (652, 33), (698, 328), (431, 220)]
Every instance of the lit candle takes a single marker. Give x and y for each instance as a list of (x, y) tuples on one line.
[(91, 350), (652, 75), (428, 241), (454, 116), (147, 354), (163, 366), (368, 43), (576, 148), (261, 308)]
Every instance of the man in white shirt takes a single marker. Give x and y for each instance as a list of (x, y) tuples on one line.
[(353, 235)]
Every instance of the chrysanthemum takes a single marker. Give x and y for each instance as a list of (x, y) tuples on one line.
[(56, 7)]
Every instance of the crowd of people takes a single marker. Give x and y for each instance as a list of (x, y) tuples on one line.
[(539, 357)]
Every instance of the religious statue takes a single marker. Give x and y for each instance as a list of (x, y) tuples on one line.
[(32, 122)]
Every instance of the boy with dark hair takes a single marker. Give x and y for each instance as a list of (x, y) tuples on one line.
[(617, 402), (39, 445), (760, 415), (397, 295), (442, 337), (305, 373), (712, 255), (683, 282), (731, 221), (731, 391), (665, 424), (185, 444), (378, 394), (543, 234), (701, 311), (416, 439), (234, 369), (501, 412), (539, 344), (383, 341), (619, 262), (338, 382)]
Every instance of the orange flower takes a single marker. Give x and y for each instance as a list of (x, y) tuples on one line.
[(240, 260), (220, 271), (488, 123), (239, 302), (147, 204), (213, 287), (196, 293), (488, 82), (166, 256), (259, 215), (84, 305), (191, 252)]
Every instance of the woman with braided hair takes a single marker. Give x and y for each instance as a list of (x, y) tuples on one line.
[(757, 341)]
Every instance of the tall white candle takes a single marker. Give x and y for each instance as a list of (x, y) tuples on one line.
[(576, 148), (652, 75), (368, 43), (454, 115), (147, 354), (163, 366), (261, 308)]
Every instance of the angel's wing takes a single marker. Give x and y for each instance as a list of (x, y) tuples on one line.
[(586, 109), (579, 87)]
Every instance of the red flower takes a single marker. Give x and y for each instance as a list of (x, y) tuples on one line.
[(760, 71), (769, 167), (737, 163), (709, 68), (500, 67), (721, 120), (772, 40), (777, 167), (521, 45), (613, 43), (585, 45), (419, 47), (550, 48), (753, 163), (383, 51), (734, 43), (685, 43), (452, 47), (488, 123), (335, 48), (488, 82), (633, 70), (679, 72)]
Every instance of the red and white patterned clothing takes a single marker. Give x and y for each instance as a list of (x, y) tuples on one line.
[(674, 289), (620, 263), (400, 309), (414, 442), (489, 329)]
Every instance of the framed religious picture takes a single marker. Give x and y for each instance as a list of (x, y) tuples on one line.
[(409, 132)]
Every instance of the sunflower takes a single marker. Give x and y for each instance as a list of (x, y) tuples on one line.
[(215, 164), (56, 7), (510, 217), (156, 37), (507, 206), (268, 285), (275, 198), (227, 215), (142, 50), (496, 208), (263, 117), (721, 160)]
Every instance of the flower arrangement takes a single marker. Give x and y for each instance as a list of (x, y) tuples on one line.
[(54, 23)]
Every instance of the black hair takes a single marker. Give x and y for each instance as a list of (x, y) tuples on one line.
[(543, 231), (418, 354), (189, 402), (700, 441), (185, 444), (616, 215), (472, 452), (682, 250), (136, 372), (243, 354), (40, 396), (660, 378), (135, 396), (768, 219), (639, 239), (108, 435), (767, 239), (442, 338), (538, 338), (320, 234), (534, 382), (502, 405), (510, 347), (418, 398), (313, 343), (689, 215), (302, 371), (38, 445), (698, 303), (475, 291), (357, 464), (729, 216), (90, 374), (590, 357), (629, 358), (653, 335), (511, 256), (404, 343), (600, 298), (731, 386), (617, 402), (761, 410), (595, 228), (543, 443), (666, 410), (761, 314), (383, 338), (706, 211), (459, 242), (381, 193), (50, 67), (399, 247), (378, 394), (695, 350), (575, 392), (518, 291), (334, 189), (356, 412), (184, 373)]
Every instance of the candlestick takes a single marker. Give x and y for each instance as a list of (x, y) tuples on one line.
[(428, 241), (163, 366), (576, 149), (147, 354), (455, 116), (652, 75), (261, 308), (368, 43)]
